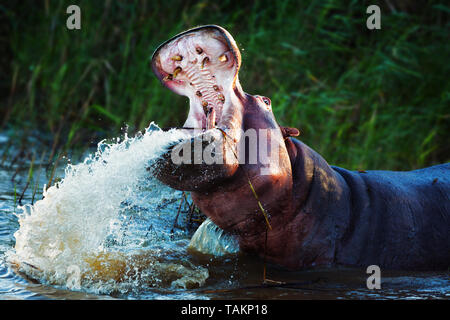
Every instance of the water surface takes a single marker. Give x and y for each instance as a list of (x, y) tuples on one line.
[(109, 230)]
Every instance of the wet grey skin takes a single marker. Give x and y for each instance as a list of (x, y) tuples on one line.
[(319, 215)]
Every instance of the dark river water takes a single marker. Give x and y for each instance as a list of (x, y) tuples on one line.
[(106, 232)]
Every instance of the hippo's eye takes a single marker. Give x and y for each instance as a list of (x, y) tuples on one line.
[(266, 100)]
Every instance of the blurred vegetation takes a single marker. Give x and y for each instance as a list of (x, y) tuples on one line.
[(363, 99)]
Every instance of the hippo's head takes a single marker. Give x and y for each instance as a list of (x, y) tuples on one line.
[(203, 64), (248, 186)]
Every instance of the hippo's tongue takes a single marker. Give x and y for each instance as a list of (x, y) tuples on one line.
[(202, 64)]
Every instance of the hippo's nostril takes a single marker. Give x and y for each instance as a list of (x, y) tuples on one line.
[(216, 87), (199, 50), (198, 93), (177, 58)]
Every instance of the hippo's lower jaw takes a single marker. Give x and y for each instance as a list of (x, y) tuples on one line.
[(193, 175)]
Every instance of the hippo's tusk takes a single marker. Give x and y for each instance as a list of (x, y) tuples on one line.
[(176, 71), (205, 60), (221, 97), (177, 58), (223, 58)]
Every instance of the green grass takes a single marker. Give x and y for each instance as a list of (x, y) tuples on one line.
[(363, 99)]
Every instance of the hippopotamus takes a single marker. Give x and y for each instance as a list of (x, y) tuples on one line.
[(295, 209)]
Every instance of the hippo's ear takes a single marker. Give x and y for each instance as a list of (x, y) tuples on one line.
[(289, 132), (196, 57)]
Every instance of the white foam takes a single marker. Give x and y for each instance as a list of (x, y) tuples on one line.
[(210, 239), (99, 229)]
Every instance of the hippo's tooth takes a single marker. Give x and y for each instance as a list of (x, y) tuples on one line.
[(177, 58), (223, 58), (176, 71), (211, 119), (221, 97), (205, 60), (168, 77), (216, 87), (205, 110)]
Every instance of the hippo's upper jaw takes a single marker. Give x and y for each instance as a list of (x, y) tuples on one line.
[(202, 64)]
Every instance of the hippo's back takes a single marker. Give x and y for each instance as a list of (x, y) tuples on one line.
[(400, 219)]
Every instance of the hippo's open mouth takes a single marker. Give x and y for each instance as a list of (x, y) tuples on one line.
[(202, 64)]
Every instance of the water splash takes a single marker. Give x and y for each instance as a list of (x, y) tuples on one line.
[(101, 229), (210, 239)]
